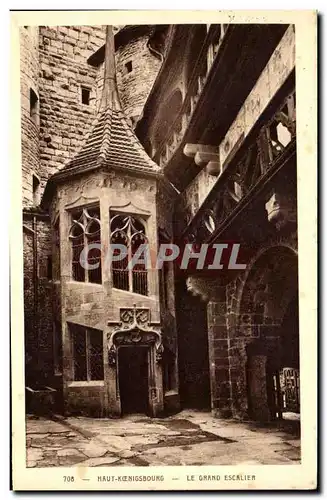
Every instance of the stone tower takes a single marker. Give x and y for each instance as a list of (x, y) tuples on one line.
[(138, 60), (108, 316), (30, 115)]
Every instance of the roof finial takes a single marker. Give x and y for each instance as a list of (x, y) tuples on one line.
[(110, 91)]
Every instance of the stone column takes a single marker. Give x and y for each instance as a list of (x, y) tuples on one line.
[(218, 359), (210, 291), (258, 387)]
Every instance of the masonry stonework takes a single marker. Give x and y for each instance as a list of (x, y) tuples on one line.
[(137, 68), (64, 73), (189, 133)]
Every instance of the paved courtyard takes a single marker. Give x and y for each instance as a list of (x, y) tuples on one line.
[(189, 438)]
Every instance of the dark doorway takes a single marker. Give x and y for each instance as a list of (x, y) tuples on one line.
[(290, 335), (133, 379), (289, 374), (193, 353)]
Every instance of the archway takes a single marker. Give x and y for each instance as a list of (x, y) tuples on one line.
[(135, 352), (133, 374), (269, 309), (193, 351)]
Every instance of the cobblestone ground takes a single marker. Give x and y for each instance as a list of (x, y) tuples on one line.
[(189, 438)]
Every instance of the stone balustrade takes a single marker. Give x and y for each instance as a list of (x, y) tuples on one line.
[(236, 179)]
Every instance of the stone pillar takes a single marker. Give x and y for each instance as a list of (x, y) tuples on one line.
[(218, 344), (258, 387), (112, 384), (218, 359), (156, 401)]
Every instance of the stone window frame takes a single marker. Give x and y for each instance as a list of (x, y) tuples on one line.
[(85, 88), (129, 278), (128, 67), (83, 222), (34, 106), (36, 189), (91, 364)]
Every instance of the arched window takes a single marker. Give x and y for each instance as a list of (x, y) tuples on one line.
[(129, 231), (84, 233)]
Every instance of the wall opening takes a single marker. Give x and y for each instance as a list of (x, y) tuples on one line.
[(269, 301), (87, 353), (129, 67), (133, 379), (193, 351), (36, 190), (85, 95), (34, 107)]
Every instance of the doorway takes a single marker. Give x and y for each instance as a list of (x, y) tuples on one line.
[(193, 352), (133, 379), (287, 379)]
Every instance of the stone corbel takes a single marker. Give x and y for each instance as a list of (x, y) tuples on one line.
[(204, 156), (281, 208)]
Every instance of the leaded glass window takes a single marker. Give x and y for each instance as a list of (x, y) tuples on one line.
[(85, 231), (87, 353), (129, 231)]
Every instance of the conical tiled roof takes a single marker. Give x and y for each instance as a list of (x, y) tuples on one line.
[(111, 143)]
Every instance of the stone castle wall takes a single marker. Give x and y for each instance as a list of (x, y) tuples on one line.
[(54, 63), (38, 294), (136, 69), (136, 84), (64, 119), (54, 69), (29, 80)]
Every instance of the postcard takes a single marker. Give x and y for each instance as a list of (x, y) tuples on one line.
[(163, 250)]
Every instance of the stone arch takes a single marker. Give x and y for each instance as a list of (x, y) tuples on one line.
[(137, 333), (269, 288), (259, 272)]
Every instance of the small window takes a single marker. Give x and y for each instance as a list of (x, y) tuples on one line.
[(129, 66), (87, 353), (36, 190), (86, 95), (34, 106)]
